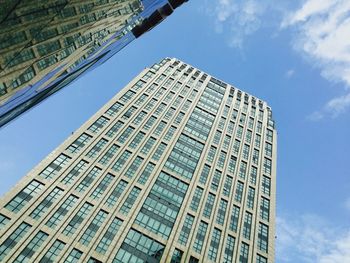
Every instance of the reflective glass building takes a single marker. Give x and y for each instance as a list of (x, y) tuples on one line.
[(46, 44), (178, 167)]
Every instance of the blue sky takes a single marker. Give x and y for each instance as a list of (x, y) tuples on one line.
[(296, 56)]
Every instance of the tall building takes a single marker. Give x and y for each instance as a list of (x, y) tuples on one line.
[(178, 167), (46, 44)]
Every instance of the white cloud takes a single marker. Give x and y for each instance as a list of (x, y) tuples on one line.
[(322, 35), (309, 238), (238, 18), (290, 73)]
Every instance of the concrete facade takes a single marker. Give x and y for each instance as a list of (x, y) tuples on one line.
[(177, 167)]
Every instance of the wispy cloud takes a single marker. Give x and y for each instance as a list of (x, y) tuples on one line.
[(322, 30), (309, 238), (290, 73), (320, 33)]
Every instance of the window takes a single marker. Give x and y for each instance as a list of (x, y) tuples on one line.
[(170, 133), (211, 154), (74, 173), (98, 124), (159, 151), (266, 185), (127, 96), (126, 134), (24, 196), (133, 167), (150, 104), (31, 247), (176, 257), (136, 141), (234, 218), (221, 160), (260, 259), (141, 100), (226, 142), (88, 179), (245, 152), (170, 113), (250, 198), (265, 208), (255, 156), (102, 186), (243, 256), (65, 207), (236, 147), (242, 170), (257, 140), (196, 199), (93, 228), (53, 168), (3, 221), (121, 161), (148, 125), (204, 174), (239, 132), (97, 148), (138, 247), (230, 127), (130, 201), (115, 128), (239, 192), (13, 239), (146, 173), (112, 111), (232, 164), (160, 109), (74, 256), (263, 237), (53, 252), (200, 237), (129, 113), (269, 135), (247, 225), (109, 236), (116, 193), (253, 175), (220, 216), (186, 229), (267, 166), (79, 143), (228, 252), (160, 128), (216, 180), (148, 146), (208, 207), (268, 149), (109, 154), (78, 218), (214, 244), (46, 203)]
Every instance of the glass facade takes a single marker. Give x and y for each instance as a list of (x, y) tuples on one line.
[(162, 173), (47, 44)]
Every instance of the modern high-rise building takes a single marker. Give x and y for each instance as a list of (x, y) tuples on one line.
[(178, 167), (46, 44)]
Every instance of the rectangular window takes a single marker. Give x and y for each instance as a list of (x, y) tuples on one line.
[(228, 252), (263, 237), (74, 256), (196, 199), (220, 216), (79, 143), (116, 193), (53, 252), (204, 174), (265, 209), (31, 247), (98, 124), (102, 186), (234, 218), (121, 161), (177, 256), (115, 128), (136, 141), (250, 198), (211, 154), (245, 152), (141, 100), (217, 137), (148, 146), (97, 148), (13, 239), (227, 186), (208, 207), (236, 146), (242, 170), (88, 179), (186, 229), (247, 225), (170, 133), (232, 164), (130, 201), (3, 221), (146, 173), (129, 113), (269, 135), (260, 259), (24, 196), (78, 218), (46, 203), (109, 154), (149, 123), (268, 149), (126, 134), (267, 166), (75, 172), (55, 167), (60, 213), (214, 244), (221, 160), (253, 175), (160, 128), (200, 237), (243, 256), (216, 180), (112, 111), (93, 228), (239, 191), (109, 236), (133, 167), (266, 185), (159, 151), (127, 96)]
